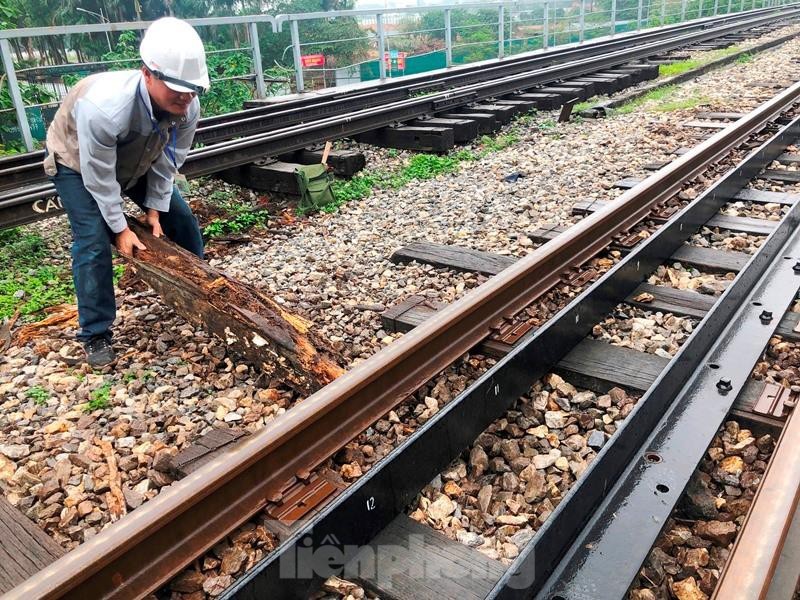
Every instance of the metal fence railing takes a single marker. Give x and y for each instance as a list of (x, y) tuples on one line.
[(400, 41)]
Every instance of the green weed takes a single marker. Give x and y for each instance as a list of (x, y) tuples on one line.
[(428, 166), (586, 105), (242, 218), (26, 284), (528, 118), (659, 95), (680, 67), (420, 167), (99, 399), (222, 197), (38, 394), (685, 103), (744, 59), (499, 142)]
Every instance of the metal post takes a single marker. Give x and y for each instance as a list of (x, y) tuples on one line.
[(501, 32), (729, 6), (298, 61), (381, 46), (108, 38), (683, 10), (546, 25), (663, 11), (261, 91), (16, 96), (742, 7), (639, 15), (716, 7), (582, 33), (613, 17), (448, 39), (700, 9)]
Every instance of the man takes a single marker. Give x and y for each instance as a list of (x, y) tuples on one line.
[(126, 131)]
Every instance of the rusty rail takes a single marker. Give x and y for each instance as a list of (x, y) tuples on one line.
[(145, 549), (755, 555)]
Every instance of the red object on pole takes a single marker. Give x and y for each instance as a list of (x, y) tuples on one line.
[(312, 60)]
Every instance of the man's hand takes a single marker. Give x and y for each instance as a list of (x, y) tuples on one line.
[(151, 218), (127, 241)]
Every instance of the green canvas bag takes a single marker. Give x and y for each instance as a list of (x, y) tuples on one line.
[(314, 182)]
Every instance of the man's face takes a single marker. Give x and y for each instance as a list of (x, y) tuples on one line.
[(175, 103)]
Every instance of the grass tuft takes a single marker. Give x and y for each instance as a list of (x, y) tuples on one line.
[(38, 394), (99, 399)]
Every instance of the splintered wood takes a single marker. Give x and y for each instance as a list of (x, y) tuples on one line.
[(251, 324)]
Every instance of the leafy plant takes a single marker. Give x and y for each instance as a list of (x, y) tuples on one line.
[(38, 394), (499, 142), (243, 218), (239, 217), (420, 166), (26, 283), (676, 68), (231, 94), (99, 399), (428, 166)]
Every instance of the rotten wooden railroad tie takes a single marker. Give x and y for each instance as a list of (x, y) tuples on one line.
[(250, 323)]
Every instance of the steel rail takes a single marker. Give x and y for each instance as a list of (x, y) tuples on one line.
[(142, 551), (291, 138), (461, 74), (612, 516), (751, 566), (252, 121), (370, 504), (26, 169)]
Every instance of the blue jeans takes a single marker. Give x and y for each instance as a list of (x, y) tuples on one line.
[(91, 246)]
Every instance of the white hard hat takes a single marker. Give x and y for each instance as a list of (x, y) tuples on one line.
[(174, 53)]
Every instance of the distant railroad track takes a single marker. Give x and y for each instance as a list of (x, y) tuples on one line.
[(26, 195)]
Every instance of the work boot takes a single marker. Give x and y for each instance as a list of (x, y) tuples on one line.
[(99, 352)]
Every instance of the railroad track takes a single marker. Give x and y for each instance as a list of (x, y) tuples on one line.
[(273, 130), (608, 521)]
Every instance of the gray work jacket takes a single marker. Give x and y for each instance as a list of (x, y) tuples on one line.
[(105, 130)]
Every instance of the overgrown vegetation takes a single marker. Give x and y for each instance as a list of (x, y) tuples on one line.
[(663, 101), (26, 283), (239, 217), (419, 167), (683, 66), (38, 394), (99, 399)]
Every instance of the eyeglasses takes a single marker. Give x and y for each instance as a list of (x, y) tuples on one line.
[(197, 89)]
